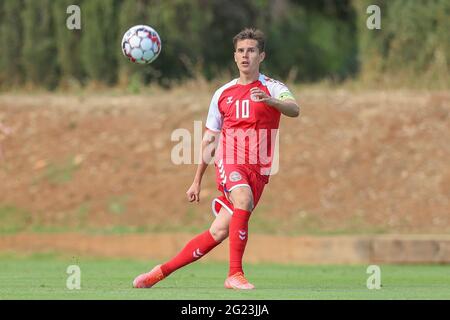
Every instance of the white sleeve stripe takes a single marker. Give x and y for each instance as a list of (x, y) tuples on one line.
[(211, 129), (276, 88), (214, 120)]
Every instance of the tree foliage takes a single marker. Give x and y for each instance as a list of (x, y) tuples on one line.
[(39, 44), (11, 71), (412, 45), (306, 40)]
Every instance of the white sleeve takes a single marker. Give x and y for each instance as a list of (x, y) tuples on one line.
[(278, 90), (215, 119)]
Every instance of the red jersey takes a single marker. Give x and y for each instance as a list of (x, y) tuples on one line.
[(248, 128)]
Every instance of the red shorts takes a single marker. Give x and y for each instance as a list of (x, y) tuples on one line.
[(231, 176)]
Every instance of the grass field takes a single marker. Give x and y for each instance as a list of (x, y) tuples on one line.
[(44, 277)]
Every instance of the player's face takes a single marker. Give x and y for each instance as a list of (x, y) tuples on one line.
[(247, 56)]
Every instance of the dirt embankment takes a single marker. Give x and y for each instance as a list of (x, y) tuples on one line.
[(354, 162), (260, 248)]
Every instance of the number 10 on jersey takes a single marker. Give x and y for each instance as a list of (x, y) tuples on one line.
[(242, 109)]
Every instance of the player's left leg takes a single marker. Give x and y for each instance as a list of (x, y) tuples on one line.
[(244, 196), (242, 200)]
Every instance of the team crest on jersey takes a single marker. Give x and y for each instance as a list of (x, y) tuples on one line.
[(229, 100), (235, 176)]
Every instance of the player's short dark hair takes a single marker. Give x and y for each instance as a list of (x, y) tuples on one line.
[(251, 33)]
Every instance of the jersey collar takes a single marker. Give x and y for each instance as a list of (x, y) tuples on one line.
[(261, 78)]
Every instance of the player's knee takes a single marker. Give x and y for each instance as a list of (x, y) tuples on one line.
[(242, 199), (219, 234), (244, 203)]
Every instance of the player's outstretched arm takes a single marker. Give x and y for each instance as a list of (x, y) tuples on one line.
[(207, 151), (288, 107)]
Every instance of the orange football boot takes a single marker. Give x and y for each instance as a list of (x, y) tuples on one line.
[(149, 279), (238, 281)]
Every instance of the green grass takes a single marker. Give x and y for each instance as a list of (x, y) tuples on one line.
[(44, 277)]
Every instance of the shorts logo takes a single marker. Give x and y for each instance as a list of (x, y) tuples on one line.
[(235, 176)]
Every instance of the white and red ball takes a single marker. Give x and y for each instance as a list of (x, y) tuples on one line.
[(141, 44)]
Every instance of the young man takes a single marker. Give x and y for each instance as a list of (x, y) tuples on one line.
[(242, 117)]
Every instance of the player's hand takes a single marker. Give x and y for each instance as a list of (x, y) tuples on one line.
[(193, 194), (258, 95)]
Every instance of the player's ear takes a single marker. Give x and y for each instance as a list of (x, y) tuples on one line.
[(262, 56)]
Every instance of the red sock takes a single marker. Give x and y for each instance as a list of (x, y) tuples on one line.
[(194, 250), (238, 239)]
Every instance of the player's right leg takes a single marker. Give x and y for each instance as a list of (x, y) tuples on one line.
[(220, 227), (194, 250)]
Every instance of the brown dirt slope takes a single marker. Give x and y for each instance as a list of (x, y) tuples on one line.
[(361, 249), (354, 162)]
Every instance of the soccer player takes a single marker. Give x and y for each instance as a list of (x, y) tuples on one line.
[(242, 117)]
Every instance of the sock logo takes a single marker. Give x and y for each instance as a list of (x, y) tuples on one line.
[(197, 253), (242, 234)]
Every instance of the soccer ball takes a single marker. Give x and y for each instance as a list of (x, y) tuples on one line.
[(141, 44)]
